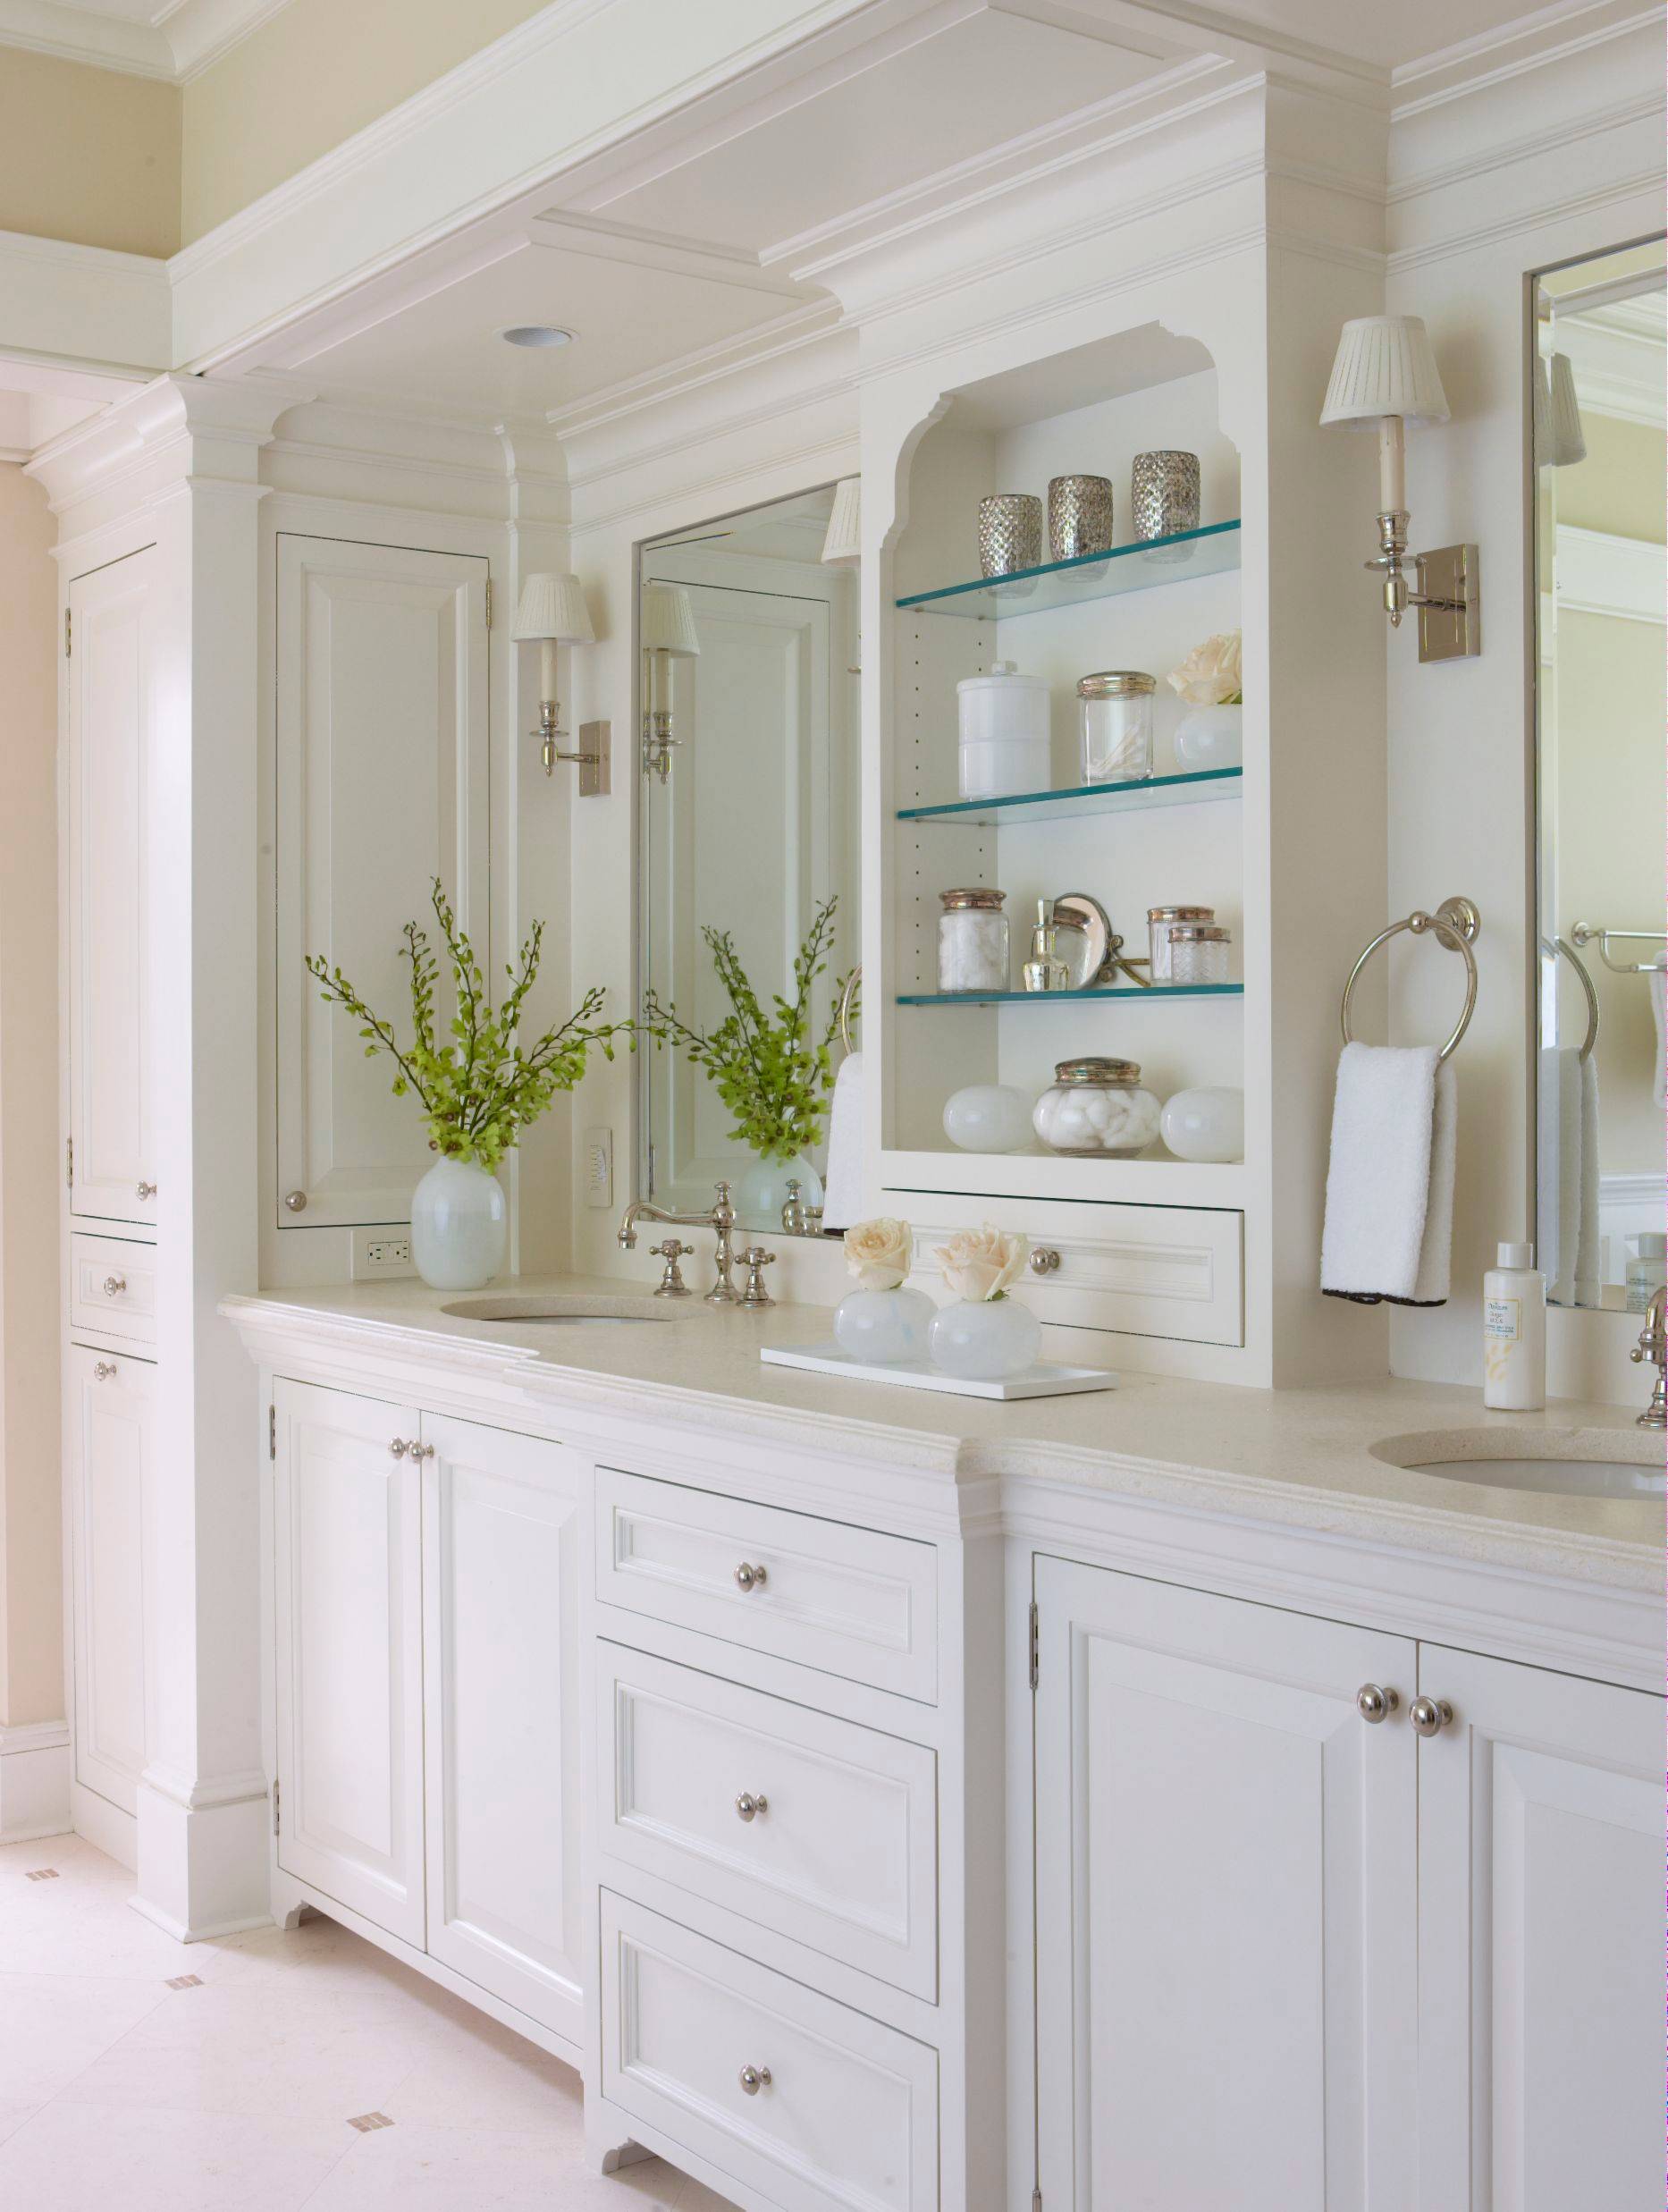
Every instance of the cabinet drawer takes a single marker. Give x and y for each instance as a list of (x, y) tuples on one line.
[(849, 1601), (112, 1287), (840, 1854), (1172, 1271), (849, 2117)]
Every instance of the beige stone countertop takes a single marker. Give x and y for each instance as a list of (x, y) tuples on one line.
[(1301, 1457)]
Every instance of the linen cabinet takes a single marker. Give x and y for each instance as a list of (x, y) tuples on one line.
[(110, 1469)]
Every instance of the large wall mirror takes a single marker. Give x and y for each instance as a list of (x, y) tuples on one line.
[(748, 823), (1597, 369)]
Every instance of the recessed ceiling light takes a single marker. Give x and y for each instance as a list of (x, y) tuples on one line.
[(535, 334)]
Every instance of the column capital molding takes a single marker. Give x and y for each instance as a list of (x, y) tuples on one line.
[(175, 427)]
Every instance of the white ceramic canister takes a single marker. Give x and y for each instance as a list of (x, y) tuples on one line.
[(1004, 733)]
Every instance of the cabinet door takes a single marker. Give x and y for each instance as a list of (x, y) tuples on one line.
[(108, 891), (502, 1535), (347, 1554), (381, 785), (1226, 1905), (110, 1438), (1540, 1942)]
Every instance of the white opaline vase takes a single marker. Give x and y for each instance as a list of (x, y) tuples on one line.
[(883, 1328), (986, 1340), (1209, 736), (759, 1190), (458, 1224)]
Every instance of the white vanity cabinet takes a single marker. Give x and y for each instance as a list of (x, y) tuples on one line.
[(110, 1467), (425, 1687)]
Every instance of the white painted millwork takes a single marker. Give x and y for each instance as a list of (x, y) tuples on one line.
[(381, 786), (110, 1468), (1540, 1941), (110, 627), (112, 1287)]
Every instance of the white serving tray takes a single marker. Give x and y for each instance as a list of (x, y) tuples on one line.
[(1047, 1378)]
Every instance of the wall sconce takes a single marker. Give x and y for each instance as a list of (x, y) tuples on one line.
[(1560, 438), (553, 612), (1385, 373), (668, 634), (843, 545)]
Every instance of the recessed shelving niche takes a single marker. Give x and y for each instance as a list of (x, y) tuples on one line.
[(1146, 564)]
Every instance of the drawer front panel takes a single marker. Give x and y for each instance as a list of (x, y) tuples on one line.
[(849, 1601), (1176, 1272), (814, 1826), (848, 2121), (112, 1287)]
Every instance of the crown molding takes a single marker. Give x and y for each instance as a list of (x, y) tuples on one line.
[(1552, 34), (175, 44)]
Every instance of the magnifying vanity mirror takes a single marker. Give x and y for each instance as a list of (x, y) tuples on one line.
[(1596, 367), (748, 821)]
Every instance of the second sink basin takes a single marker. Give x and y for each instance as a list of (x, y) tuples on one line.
[(1573, 1463), (553, 1311)]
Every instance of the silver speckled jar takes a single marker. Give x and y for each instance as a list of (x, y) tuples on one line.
[(1164, 492), (1080, 517), (1010, 533)]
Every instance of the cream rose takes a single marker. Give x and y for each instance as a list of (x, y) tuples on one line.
[(880, 1253), (981, 1263), (1210, 674)]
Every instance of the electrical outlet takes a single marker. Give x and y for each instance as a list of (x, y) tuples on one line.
[(382, 1252), (599, 1168)]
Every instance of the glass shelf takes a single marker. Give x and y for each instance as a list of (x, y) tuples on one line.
[(1151, 992), (1084, 798), (1210, 551)]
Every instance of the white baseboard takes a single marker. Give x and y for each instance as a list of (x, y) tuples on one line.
[(34, 1777), (104, 1825)]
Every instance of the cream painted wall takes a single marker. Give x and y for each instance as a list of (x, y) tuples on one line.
[(310, 77), (31, 1651), (89, 156)]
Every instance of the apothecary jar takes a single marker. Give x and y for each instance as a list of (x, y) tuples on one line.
[(973, 940), (1097, 1106)]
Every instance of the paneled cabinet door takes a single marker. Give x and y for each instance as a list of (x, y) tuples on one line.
[(111, 1438), (1540, 1884), (501, 1547), (381, 760), (1226, 1905), (348, 1657), (109, 770)]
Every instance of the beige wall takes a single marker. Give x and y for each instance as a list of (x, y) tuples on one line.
[(32, 1655), (89, 156), (317, 73)]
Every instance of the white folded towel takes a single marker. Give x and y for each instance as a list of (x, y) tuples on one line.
[(1389, 1224), (842, 1186), (1589, 1272), (1558, 1089)]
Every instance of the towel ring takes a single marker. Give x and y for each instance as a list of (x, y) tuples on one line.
[(1456, 923), (849, 999), (1579, 966)]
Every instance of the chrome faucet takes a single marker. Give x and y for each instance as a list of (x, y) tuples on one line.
[(720, 1219), (1653, 1346)]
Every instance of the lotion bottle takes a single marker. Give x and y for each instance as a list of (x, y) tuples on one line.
[(1514, 1332)]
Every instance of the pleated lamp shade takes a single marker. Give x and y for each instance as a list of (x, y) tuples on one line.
[(667, 621), (554, 607), (1559, 436), (843, 542), (1385, 366)]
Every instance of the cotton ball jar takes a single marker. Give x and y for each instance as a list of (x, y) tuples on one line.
[(1097, 1106)]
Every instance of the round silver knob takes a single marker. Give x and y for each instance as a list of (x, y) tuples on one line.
[(755, 2078), (400, 1447), (747, 1805), (103, 1368), (144, 1190), (1375, 1704), (750, 1577), (420, 1451), (1044, 1261), (1429, 1715), (296, 1200), (115, 1285)]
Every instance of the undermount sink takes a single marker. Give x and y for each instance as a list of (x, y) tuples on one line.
[(553, 1311), (1571, 1462)]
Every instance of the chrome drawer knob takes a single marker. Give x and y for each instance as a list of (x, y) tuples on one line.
[(115, 1285), (144, 1190), (1430, 1715), (398, 1447), (103, 1368), (755, 2078), (296, 1200), (1375, 1704), (747, 1805), (1044, 1261), (750, 1577)]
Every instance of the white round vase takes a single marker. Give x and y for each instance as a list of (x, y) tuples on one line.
[(759, 1191), (988, 1118), (1208, 1123), (986, 1340), (882, 1327), (458, 1224), (1209, 736)]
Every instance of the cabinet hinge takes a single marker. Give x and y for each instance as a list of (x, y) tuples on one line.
[(69, 1161), (1033, 1672), (489, 602), (276, 1813), (271, 1432), (68, 625)]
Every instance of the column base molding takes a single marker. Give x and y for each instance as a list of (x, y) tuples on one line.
[(203, 1863)]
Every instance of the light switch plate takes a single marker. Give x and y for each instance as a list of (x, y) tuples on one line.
[(599, 1168), (382, 1251)]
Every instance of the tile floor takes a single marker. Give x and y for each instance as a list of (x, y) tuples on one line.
[(290, 2070)]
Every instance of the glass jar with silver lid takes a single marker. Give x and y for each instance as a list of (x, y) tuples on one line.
[(1115, 718), (1198, 953), (973, 940), (1160, 920), (1097, 1106)]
